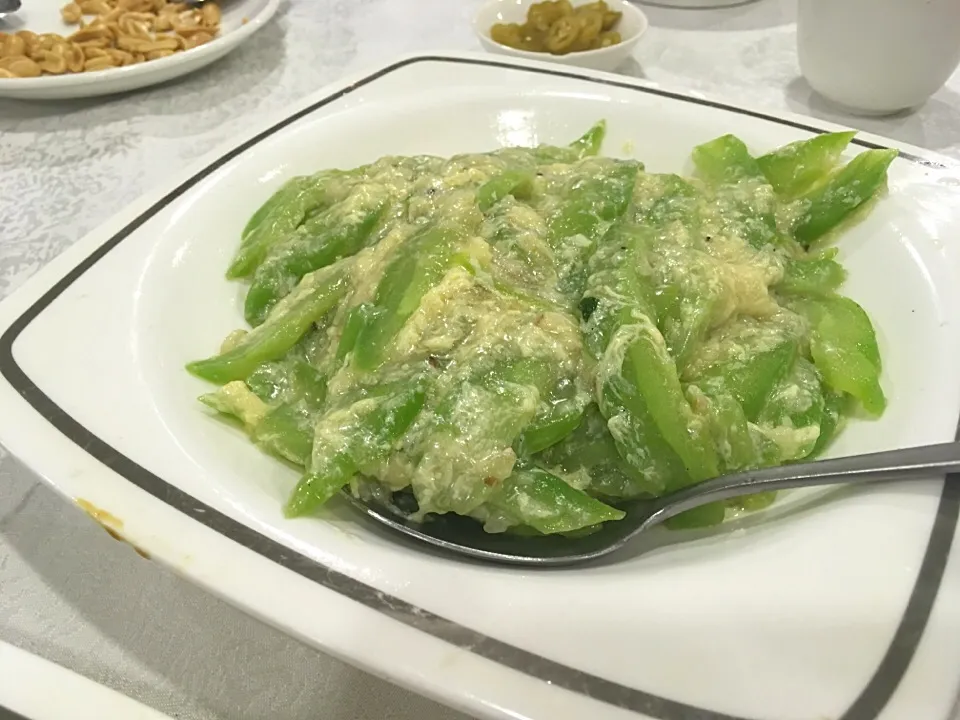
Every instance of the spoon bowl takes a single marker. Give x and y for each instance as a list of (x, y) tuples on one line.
[(464, 536)]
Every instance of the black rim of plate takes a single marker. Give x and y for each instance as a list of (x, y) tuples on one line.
[(8, 714), (866, 705)]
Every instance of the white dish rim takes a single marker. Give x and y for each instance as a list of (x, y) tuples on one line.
[(867, 706)]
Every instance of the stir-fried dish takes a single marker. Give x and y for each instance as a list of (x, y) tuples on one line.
[(530, 336)]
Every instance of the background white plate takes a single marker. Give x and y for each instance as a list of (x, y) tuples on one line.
[(847, 606), (241, 18), (38, 689)]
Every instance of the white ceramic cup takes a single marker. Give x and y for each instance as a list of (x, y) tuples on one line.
[(878, 56)]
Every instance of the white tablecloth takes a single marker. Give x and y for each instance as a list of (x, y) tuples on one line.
[(70, 593)]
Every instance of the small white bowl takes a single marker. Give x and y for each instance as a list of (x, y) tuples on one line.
[(631, 27)]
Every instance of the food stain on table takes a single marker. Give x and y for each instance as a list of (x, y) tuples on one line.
[(111, 523)]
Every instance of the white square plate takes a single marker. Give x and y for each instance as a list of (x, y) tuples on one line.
[(842, 604)]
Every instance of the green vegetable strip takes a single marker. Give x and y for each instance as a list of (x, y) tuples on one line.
[(282, 215), (687, 328), (317, 487), (585, 146), (831, 423), (469, 444), (518, 183), (836, 200), (550, 428), (590, 451), (749, 214), (675, 201), (298, 381), (751, 380), (420, 265), (321, 242), (795, 168), (796, 402), (590, 208), (285, 432), (357, 319), (520, 371), (592, 203), (683, 305), (271, 381), (686, 309), (236, 400), (844, 348), (817, 276), (730, 431), (753, 503), (652, 372), (473, 428), (639, 390), (741, 189), (282, 430), (656, 467), (296, 391), (346, 443), (844, 317), (281, 196), (590, 444), (840, 316), (316, 295), (616, 291), (702, 517), (845, 370), (543, 501), (590, 142), (725, 161)]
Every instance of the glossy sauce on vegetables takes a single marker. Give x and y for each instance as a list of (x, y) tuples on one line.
[(529, 335)]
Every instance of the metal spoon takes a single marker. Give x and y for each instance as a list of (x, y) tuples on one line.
[(465, 536), (8, 6)]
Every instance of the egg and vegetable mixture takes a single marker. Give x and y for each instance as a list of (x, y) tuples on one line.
[(529, 336)]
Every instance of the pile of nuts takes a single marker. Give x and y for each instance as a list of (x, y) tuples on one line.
[(121, 32)]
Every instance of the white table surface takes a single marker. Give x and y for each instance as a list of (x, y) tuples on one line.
[(70, 593)]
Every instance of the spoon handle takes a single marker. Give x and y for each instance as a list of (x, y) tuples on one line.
[(916, 463)]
